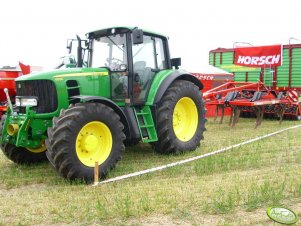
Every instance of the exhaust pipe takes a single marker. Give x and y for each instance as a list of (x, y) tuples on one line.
[(8, 100), (12, 129)]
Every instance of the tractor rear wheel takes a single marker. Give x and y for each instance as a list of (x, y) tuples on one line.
[(180, 119), (21, 155), (82, 135)]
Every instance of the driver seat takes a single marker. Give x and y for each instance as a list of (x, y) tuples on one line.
[(139, 67)]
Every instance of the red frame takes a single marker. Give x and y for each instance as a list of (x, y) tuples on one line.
[(269, 97)]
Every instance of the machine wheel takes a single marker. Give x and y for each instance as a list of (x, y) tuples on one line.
[(82, 135), (180, 119), (22, 155)]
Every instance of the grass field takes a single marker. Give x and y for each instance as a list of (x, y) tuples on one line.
[(232, 188)]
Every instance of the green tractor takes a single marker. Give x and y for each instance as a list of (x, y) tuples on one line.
[(119, 89)]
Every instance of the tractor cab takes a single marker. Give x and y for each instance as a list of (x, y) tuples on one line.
[(131, 56)]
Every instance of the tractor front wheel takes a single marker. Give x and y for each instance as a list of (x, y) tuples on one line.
[(180, 119), (82, 135), (21, 155)]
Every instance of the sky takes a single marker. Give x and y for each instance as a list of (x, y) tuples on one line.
[(35, 32)]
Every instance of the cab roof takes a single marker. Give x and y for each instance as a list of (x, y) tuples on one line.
[(108, 31)]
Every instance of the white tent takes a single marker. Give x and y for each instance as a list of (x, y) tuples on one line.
[(206, 69)]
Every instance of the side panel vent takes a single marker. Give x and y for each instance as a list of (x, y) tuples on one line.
[(73, 90)]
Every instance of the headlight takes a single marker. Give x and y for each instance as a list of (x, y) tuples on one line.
[(26, 101)]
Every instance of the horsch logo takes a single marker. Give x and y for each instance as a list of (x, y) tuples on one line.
[(260, 56), (263, 60)]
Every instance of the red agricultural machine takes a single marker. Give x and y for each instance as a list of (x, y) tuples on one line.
[(254, 98), (267, 82), (7, 80), (212, 77)]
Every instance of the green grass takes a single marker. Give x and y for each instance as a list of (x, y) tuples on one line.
[(231, 188)]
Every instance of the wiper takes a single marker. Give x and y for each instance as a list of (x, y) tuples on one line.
[(115, 43), (139, 50)]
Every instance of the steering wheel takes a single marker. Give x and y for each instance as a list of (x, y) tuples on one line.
[(114, 63)]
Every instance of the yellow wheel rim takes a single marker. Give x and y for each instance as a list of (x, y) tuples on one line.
[(40, 149), (94, 143), (185, 119)]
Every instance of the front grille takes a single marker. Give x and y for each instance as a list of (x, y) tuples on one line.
[(44, 90)]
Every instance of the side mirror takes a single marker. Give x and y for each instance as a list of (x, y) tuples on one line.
[(176, 62), (137, 36)]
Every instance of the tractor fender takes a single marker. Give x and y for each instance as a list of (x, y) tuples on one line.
[(106, 102), (176, 75)]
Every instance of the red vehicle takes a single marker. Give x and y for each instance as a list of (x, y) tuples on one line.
[(253, 97), (212, 77), (7, 80), (283, 80)]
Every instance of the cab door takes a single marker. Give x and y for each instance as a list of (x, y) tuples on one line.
[(148, 59)]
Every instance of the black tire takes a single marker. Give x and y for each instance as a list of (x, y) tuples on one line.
[(62, 137), (133, 142), (49, 153), (168, 142), (3, 118), (20, 155)]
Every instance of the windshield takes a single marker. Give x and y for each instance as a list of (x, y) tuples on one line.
[(110, 51)]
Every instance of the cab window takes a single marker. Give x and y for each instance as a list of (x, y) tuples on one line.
[(148, 59)]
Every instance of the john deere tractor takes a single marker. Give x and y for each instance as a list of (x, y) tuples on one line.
[(121, 87)]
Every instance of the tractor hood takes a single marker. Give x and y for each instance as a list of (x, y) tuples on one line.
[(65, 73)]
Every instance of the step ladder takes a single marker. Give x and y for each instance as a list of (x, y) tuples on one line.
[(146, 124)]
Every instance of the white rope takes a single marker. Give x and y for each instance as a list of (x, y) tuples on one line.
[(192, 158)]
